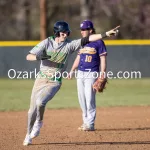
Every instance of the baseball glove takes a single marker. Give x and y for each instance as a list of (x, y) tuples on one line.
[(100, 84)]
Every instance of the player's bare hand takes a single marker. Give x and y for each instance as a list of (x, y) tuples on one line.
[(70, 75), (113, 32)]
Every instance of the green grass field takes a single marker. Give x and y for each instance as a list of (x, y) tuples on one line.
[(15, 94)]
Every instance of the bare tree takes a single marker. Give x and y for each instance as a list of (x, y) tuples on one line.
[(27, 20), (43, 19), (86, 9), (22, 20)]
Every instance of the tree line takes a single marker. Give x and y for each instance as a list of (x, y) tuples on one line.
[(20, 19)]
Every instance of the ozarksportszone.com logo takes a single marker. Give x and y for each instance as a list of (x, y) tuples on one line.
[(13, 74)]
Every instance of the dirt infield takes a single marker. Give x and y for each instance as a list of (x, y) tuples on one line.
[(117, 128)]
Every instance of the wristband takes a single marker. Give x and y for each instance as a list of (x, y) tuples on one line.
[(103, 35), (42, 57), (38, 57)]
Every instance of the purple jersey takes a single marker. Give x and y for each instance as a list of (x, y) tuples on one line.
[(90, 56)]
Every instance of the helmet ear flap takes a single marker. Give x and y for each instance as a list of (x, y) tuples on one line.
[(68, 33), (56, 33)]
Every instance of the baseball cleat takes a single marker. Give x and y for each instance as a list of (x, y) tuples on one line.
[(85, 127), (82, 127), (88, 128), (36, 129), (27, 141)]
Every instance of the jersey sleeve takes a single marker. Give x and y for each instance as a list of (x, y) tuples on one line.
[(39, 48), (102, 48), (75, 44)]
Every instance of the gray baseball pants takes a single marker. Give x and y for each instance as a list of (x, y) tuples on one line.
[(43, 91), (86, 96)]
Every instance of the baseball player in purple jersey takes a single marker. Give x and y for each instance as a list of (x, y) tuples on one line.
[(91, 60), (53, 53)]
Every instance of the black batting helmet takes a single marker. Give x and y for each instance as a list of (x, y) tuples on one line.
[(61, 26)]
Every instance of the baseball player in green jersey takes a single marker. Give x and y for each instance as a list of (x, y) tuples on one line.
[(53, 53)]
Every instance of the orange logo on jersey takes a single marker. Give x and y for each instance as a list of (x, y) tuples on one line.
[(87, 50)]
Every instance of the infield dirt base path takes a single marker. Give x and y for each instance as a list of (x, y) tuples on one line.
[(117, 128)]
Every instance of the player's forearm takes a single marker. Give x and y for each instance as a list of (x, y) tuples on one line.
[(103, 66), (76, 63), (31, 57), (95, 37)]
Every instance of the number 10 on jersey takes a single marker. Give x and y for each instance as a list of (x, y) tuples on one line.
[(88, 58)]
